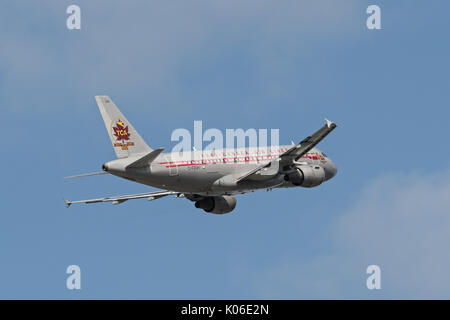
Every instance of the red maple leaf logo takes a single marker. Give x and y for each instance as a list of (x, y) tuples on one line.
[(120, 131)]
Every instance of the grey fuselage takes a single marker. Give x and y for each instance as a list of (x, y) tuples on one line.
[(211, 172)]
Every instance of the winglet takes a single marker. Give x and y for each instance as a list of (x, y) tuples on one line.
[(329, 123), (68, 203)]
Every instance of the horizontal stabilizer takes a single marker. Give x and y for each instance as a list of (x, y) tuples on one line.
[(146, 160), (86, 175)]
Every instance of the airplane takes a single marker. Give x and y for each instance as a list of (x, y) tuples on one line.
[(210, 179)]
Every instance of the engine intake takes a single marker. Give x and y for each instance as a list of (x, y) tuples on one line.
[(218, 205), (306, 176)]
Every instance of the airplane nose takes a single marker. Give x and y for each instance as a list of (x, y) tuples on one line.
[(330, 170)]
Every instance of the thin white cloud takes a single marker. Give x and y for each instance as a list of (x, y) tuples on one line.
[(147, 47), (401, 223)]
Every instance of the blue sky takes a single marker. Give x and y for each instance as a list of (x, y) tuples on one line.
[(231, 64)]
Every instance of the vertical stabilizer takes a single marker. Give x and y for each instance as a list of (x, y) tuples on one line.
[(125, 139)]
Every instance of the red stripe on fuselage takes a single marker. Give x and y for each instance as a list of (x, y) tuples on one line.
[(169, 164)]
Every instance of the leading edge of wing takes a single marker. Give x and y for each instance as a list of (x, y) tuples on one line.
[(120, 199), (298, 150)]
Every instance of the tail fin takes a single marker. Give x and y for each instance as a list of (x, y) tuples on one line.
[(124, 138)]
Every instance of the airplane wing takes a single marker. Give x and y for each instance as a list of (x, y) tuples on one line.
[(120, 199), (294, 153)]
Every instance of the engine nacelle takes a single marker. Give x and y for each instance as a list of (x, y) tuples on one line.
[(218, 205), (306, 176)]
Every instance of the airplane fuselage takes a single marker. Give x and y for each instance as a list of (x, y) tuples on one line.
[(210, 178), (211, 172)]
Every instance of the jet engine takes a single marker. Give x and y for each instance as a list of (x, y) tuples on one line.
[(306, 176), (218, 205)]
